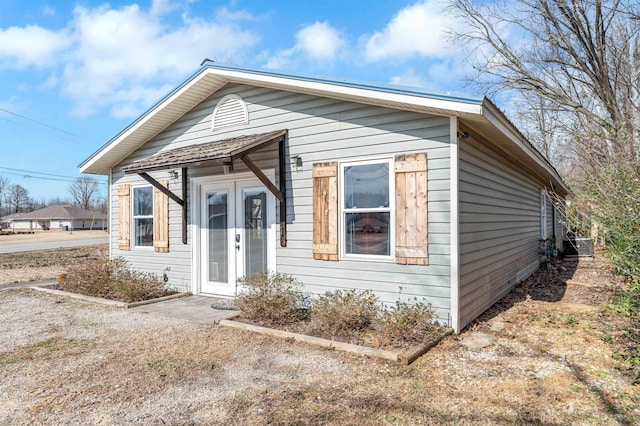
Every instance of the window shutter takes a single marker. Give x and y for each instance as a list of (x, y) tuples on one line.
[(124, 216), (411, 209), (325, 211), (161, 219)]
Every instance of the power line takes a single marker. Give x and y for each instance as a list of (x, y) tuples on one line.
[(43, 124), (39, 177), (55, 176)]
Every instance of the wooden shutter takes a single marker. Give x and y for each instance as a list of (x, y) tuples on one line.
[(124, 216), (411, 209), (161, 219), (325, 211)]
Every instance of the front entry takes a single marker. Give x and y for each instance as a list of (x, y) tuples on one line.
[(237, 234)]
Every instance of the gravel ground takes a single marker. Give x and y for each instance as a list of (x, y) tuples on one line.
[(550, 359)]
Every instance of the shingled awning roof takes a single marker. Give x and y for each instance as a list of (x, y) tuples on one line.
[(225, 150)]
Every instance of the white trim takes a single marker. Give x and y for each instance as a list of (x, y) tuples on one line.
[(341, 210), (195, 188), (132, 224), (110, 210), (454, 229)]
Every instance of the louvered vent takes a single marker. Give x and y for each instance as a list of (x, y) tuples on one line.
[(230, 111)]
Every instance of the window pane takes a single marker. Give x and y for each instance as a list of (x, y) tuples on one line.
[(143, 201), (366, 185), (367, 233), (144, 232), (255, 231)]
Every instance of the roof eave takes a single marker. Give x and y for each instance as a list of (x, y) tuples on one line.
[(98, 163), (498, 119)]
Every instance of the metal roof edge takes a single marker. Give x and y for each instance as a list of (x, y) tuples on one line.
[(498, 118)]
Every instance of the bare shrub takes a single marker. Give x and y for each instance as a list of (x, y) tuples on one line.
[(270, 298), (343, 311), (111, 279), (405, 322)]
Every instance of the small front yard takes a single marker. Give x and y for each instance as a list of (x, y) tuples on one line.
[(553, 359)]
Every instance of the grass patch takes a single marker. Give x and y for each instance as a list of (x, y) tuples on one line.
[(54, 346)]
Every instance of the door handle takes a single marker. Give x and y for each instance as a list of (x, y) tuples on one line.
[(237, 241)]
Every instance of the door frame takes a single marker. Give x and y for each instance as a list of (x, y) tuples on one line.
[(195, 194)]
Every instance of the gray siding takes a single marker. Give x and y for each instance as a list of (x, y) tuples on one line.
[(499, 227), (320, 129)]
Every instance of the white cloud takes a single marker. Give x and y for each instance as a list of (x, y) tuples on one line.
[(417, 30), (124, 58), (22, 47), (410, 78), (318, 42)]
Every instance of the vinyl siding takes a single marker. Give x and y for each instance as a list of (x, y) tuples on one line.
[(320, 130), (499, 227)]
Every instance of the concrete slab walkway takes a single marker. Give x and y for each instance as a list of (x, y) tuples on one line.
[(191, 308)]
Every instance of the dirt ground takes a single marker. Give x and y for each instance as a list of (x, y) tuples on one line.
[(53, 235), (551, 358), (42, 265)]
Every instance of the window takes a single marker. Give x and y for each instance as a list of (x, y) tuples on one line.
[(366, 208), (543, 215), (143, 216)]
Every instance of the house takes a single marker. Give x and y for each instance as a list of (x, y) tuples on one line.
[(56, 217), (341, 184)]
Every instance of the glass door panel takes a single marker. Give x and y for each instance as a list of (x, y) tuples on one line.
[(218, 241), (255, 232)]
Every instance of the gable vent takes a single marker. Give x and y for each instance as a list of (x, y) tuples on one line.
[(230, 111)]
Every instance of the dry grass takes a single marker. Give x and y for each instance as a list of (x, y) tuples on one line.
[(552, 362), (45, 264)]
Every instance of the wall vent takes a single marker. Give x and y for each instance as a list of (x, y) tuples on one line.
[(230, 111)]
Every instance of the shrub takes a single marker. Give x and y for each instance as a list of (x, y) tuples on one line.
[(111, 279), (271, 298), (405, 323), (343, 311)]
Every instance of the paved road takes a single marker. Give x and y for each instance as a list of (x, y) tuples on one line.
[(44, 245)]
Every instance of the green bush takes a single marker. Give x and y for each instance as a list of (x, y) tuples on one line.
[(111, 279), (405, 322), (271, 298), (343, 311)]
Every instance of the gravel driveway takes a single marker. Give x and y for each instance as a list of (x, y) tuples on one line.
[(549, 360)]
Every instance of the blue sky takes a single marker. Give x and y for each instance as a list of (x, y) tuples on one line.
[(74, 75)]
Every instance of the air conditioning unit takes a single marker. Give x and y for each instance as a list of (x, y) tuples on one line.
[(578, 246)]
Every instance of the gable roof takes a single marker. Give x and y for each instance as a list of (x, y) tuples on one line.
[(478, 113), (57, 211)]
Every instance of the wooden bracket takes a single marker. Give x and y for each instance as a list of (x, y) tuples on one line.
[(173, 196)]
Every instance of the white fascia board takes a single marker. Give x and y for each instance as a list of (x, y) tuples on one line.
[(142, 121), (500, 122), (349, 92)]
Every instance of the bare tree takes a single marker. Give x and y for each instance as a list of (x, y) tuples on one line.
[(84, 190), (4, 186), (18, 198), (580, 56)]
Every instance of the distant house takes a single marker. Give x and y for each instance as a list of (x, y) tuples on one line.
[(57, 217), (341, 184)]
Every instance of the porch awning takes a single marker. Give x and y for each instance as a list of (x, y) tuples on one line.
[(222, 151)]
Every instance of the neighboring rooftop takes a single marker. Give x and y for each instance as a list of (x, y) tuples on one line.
[(57, 211)]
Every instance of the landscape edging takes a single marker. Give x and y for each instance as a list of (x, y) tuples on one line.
[(107, 302), (406, 357)]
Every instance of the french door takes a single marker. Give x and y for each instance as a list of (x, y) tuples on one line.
[(237, 234)]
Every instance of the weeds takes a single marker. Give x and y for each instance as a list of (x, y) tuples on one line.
[(405, 323), (343, 311), (271, 298), (111, 279)]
